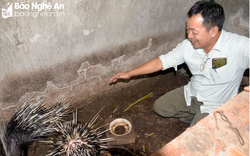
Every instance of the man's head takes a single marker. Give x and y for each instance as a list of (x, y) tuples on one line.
[(212, 13), (204, 24)]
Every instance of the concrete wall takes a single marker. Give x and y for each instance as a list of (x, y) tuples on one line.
[(72, 49)]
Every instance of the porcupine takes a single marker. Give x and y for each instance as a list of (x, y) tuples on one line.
[(33, 121), (76, 139)]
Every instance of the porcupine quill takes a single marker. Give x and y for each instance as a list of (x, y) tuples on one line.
[(76, 139), (33, 121)]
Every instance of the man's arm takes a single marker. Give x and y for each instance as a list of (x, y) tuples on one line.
[(147, 68)]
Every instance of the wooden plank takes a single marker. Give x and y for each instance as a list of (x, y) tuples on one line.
[(205, 139)]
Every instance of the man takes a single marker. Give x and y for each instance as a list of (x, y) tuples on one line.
[(217, 60)]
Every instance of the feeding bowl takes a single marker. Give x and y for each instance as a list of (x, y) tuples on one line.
[(120, 127)]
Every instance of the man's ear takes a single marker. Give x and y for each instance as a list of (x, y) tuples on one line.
[(214, 31)]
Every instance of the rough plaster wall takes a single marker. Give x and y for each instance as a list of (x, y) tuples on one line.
[(237, 17), (75, 55)]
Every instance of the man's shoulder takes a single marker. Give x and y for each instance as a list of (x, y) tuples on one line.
[(235, 44), (230, 36)]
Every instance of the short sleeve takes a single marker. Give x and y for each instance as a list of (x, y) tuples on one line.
[(176, 56)]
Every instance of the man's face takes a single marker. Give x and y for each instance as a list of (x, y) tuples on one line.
[(197, 33)]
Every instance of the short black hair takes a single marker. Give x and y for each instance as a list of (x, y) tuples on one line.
[(212, 13)]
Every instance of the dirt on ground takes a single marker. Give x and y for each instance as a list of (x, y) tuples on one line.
[(152, 131)]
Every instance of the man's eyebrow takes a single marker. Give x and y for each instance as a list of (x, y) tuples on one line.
[(191, 28)]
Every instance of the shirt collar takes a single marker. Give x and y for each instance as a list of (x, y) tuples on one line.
[(218, 45)]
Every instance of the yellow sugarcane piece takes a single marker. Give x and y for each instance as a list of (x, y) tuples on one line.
[(149, 135), (96, 124), (143, 98)]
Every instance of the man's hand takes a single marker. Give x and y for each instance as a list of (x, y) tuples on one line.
[(147, 68), (246, 88), (123, 75)]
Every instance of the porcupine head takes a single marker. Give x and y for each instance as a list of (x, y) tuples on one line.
[(15, 141)]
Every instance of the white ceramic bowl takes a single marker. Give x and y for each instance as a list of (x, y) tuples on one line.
[(120, 122)]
